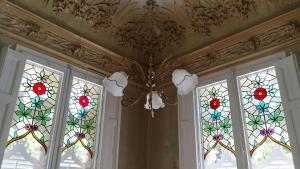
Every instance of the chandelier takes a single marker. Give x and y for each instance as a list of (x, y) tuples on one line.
[(184, 81)]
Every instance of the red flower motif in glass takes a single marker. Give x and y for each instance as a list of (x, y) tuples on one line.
[(83, 101), (39, 88), (215, 103), (260, 93)]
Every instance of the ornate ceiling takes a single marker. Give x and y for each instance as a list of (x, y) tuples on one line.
[(162, 28)]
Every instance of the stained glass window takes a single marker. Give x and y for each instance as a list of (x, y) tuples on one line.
[(30, 129), (79, 139), (217, 135), (265, 121)]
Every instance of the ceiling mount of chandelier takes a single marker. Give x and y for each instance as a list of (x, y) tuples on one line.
[(184, 81)]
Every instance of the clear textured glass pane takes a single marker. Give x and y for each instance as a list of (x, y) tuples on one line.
[(265, 122), (30, 129), (220, 158), (79, 139), (216, 133)]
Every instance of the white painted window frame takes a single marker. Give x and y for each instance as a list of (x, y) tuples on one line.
[(13, 62), (190, 148)]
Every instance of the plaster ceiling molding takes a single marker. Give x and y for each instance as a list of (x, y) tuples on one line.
[(199, 22), (98, 13), (221, 55), (280, 37), (208, 13), (150, 30), (168, 26), (15, 24), (205, 14)]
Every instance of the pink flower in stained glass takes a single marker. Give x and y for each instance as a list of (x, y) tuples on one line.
[(39, 88), (83, 101), (215, 103), (27, 126), (218, 137), (271, 131), (263, 132), (35, 127), (32, 127), (80, 135), (260, 93)]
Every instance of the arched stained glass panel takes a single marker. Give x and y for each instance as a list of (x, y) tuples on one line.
[(79, 139), (31, 125), (265, 121), (217, 134)]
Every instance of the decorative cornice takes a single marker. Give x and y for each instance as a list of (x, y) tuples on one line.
[(26, 28), (273, 35), (29, 29)]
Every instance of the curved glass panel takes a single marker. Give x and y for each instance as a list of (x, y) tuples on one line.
[(265, 121), (79, 139), (30, 129), (216, 132)]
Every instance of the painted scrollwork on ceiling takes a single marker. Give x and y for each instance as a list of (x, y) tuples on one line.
[(84, 53), (151, 30), (150, 26), (98, 14), (207, 13)]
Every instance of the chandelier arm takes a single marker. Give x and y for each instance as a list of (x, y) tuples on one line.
[(165, 61), (170, 69), (135, 101), (142, 70), (165, 99)]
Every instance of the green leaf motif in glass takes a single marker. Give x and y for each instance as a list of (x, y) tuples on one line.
[(83, 108), (216, 117), (263, 108), (35, 105)]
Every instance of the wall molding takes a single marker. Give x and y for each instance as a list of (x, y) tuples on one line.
[(260, 40), (31, 30)]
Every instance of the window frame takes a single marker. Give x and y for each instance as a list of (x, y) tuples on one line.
[(21, 54), (88, 76), (275, 61), (230, 74), (205, 81)]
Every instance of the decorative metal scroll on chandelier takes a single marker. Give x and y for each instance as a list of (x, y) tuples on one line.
[(183, 80)]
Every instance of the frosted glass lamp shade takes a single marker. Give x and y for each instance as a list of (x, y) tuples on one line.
[(157, 102), (184, 81), (116, 83)]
